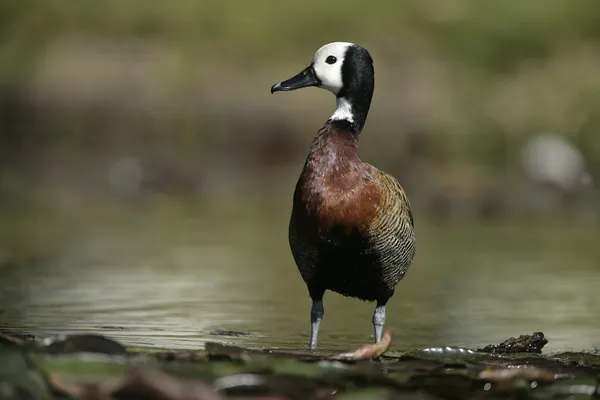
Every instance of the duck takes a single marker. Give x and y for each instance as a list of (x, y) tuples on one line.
[(351, 229)]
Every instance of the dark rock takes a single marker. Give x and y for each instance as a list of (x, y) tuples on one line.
[(83, 343)]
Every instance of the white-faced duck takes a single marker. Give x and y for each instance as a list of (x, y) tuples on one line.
[(351, 229)]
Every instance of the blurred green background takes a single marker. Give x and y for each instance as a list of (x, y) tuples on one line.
[(146, 172)]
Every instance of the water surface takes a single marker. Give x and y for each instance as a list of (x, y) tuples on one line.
[(179, 284)]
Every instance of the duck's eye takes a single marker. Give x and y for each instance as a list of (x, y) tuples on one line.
[(331, 60)]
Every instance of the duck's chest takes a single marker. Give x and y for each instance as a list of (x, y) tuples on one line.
[(334, 200)]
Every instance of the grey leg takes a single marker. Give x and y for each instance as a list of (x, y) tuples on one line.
[(379, 322), (316, 315)]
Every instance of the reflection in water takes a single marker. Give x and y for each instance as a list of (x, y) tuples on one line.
[(479, 287)]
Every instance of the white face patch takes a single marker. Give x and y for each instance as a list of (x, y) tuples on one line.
[(330, 73)]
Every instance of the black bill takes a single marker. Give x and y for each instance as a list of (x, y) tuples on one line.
[(305, 78)]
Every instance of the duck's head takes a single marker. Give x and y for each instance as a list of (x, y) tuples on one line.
[(346, 70)]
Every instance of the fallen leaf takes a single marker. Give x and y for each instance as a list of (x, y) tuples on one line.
[(370, 351)]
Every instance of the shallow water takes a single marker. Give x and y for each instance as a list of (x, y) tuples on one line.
[(178, 285)]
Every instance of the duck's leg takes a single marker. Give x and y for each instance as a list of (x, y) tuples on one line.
[(379, 321), (316, 315)]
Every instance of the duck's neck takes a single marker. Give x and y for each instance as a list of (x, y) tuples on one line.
[(354, 111), (354, 99), (336, 143)]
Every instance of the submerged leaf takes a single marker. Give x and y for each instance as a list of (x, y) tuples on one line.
[(529, 374)]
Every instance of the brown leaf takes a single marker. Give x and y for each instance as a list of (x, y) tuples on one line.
[(369, 351), (155, 385)]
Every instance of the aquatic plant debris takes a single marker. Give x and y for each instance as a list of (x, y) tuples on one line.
[(523, 344), (220, 372)]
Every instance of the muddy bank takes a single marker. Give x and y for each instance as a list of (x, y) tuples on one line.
[(90, 366)]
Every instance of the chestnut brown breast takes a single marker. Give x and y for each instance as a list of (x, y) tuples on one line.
[(351, 227)]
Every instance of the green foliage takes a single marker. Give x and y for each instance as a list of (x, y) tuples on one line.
[(493, 33), (500, 67)]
